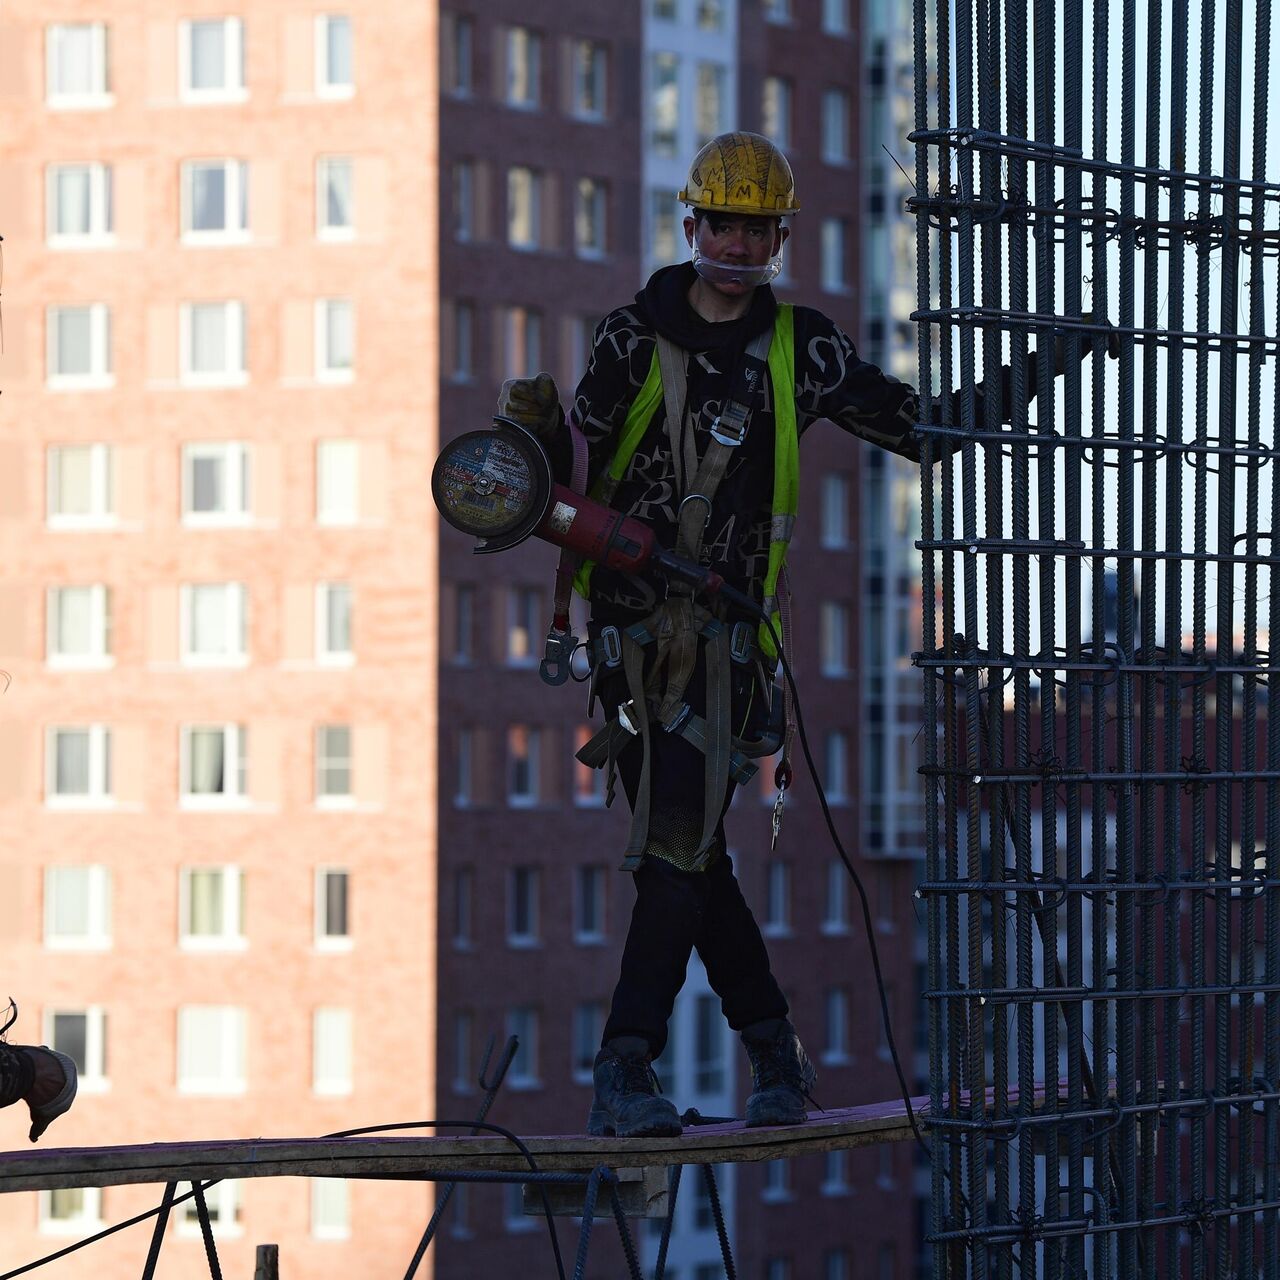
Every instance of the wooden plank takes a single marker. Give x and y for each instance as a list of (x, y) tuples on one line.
[(437, 1157)]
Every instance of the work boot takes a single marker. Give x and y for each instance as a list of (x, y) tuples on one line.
[(781, 1074), (42, 1078), (628, 1101)]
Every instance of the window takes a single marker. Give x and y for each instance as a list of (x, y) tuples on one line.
[(835, 510), (212, 340), (211, 60), (213, 764), (460, 1227), (464, 889), (588, 1027), (333, 765), (334, 603), (333, 909), (82, 1035), (461, 47), (331, 1052), (464, 622), (588, 904), (709, 1056), (777, 10), (836, 772), (214, 630), (330, 1209), (464, 791), (80, 486), (77, 72), (777, 898), (524, 68), (524, 612), (703, 1218), (522, 907), (463, 1029), (464, 200), (335, 198), (464, 324), (709, 107), (524, 207), (834, 638), (710, 15), (215, 201), (590, 80), (77, 908), (78, 766), (836, 917), (777, 1269), (79, 627), (223, 1203), (211, 1049), (775, 110), (335, 340), (835, 17), (211, 908), (835, 1173), (215, 483), (832, 252), (79, 347), (337, 481), (589, 218), (522, 340), (514, 1218), (836, 1010), (835, 126), (665, 10), (662, 226), (664, 89), (777, 1181), (523, 750), (835, 1265), (335, 64), (522, 1022), (70, 1211), (78, 207)]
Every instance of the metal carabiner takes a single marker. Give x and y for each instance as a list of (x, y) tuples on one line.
[(557, 656)]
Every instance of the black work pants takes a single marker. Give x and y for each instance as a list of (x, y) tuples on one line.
[(675, 913)]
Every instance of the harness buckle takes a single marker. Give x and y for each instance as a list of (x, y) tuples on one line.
[(740, 642), (731, 433), (626, 712), (557, 656), (677, 721), (611, 644)]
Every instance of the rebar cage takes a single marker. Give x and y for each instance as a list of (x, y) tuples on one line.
[(1101, 887)]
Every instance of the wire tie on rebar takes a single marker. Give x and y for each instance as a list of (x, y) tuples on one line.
[(1059, 895), (1191, 766)]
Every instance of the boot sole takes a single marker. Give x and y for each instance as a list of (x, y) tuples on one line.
[(600, 1124)]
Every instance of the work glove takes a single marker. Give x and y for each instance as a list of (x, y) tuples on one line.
[(1112, 339), (533, 403)]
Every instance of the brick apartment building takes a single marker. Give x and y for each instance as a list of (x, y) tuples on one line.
[(274, 748)]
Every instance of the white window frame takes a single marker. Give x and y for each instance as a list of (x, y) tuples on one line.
[(532, 798), (664, 101), (102, 514), (101, 375), (226, 1209), (709, 76), (325, 87), (230, 1080), (835, 17), (531, 877), (591, 209), (326, 654), (91, 1074), (99, 794), (96, 97), (332, 1079), (235, 458), (464, 325), (330, 1209), (522, 341), (835, 919), (235, 203), (101, 232), (522, 1022), (464, 789), (97, 888), (235, 756), (835, 511), (99, 656), (777, 897), (325, 230), (326, 370), (522, 176), (588, 1024), (334, 800), (521, 601), (591, 81), (835, 1019), (833, 636), (583, 936), (233, 88), (231, 886), (778, 11), (531, 72), (710, 1071), (835, 1173), (236, 613), (87, 1220), (236, 373), (776, 1188), (463, 1031), (835, 766), (590, 788), (328, 511), (331, 941), (784, 108), (834, 126), (833, 253)]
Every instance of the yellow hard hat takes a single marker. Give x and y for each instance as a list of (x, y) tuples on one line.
[(741, 173)]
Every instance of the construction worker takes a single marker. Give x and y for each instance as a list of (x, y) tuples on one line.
[(41, 1077), (692, 405)]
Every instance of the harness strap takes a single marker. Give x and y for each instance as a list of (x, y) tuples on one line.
[(633, 665), (719, 742), (603, 747), (673, 362)]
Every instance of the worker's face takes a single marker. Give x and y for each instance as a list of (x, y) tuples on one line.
[(735, 240)]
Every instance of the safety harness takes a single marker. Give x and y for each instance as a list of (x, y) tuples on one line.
[(656, 700)]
